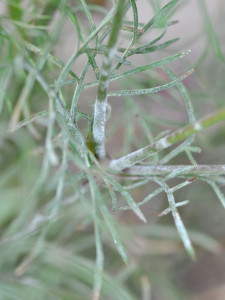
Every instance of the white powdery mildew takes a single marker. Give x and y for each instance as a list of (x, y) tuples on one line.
[(139, 155), (99, 121), (197, 126), (103, 87), (100, 150), (129, 160), (107, 60), (163, 144), (121, 163), (105, 72), (101, 103), (111, 53), (113, 165)]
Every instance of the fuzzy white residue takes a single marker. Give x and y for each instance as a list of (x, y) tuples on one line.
[(111, 53), (99, 121), (162, 144), (100, 150), (107, 61), (129, 160), (197, 126), (105, 72), (103, 86)]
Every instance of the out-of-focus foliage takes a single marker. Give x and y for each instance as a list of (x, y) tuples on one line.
[(71, 225)]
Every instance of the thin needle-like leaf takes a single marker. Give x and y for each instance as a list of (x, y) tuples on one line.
[(150, 150), (177, 219), (185, 95), (98, 244), (150, 90), (127, 197), (135, 30), (168, 210), (110, 222), (217, 191), (162, 12), (143, 68), (148, 48), (157, 192)]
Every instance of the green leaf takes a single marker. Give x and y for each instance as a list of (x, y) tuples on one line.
[(178, 221), (150, 66), (127, 197), (147, 49), (217, 191), (153, 65), (150, 90), (110, 222), (185, 95), (162, 12), (98, 241)]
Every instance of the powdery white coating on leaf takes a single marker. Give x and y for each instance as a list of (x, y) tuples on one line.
[(163, 144), (100, 150), (197, 126), (181, 229), (99, 127), (99, 121), (105, 72), (139, 155), (130, 159), (122, 163), (53, 158), (103, 86), (101, 103), (107, 61), (150, 90), (114, 165), (112, 53)]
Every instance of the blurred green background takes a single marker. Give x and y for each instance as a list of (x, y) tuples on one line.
[(44, 258)]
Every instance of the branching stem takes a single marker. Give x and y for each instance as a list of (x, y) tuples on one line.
[(101, 101), (167, 141), (198, 170)]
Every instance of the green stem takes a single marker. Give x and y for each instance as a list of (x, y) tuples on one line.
[(150, 150), (101, 101), (198, 170)]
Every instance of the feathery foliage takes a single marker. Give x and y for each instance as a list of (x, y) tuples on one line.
[(62, 194)]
